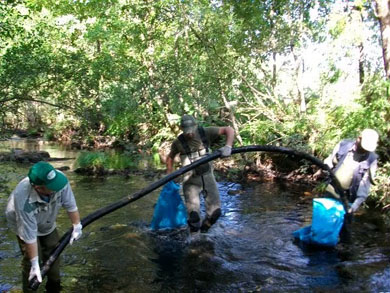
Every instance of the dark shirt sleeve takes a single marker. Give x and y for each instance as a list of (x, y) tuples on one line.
[(212, 133), (174, 149)]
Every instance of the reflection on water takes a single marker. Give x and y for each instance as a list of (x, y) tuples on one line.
[(249, 249)]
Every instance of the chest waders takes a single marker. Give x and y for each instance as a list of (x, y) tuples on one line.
[(194, 219), (359, 172), (350, 194), (202, 169)]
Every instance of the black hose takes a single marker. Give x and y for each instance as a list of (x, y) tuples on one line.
[(34, 284)]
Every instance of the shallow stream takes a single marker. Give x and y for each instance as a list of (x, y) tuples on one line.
[(250, 249)]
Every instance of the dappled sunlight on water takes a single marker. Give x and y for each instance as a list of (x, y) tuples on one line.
[(249, 249)]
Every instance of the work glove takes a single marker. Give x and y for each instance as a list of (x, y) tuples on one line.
[(76, 233), (226, 151), (35, 271), (355, 205)]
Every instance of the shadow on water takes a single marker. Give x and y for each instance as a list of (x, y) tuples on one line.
[(185, 262), (170, 249), (249, 249)]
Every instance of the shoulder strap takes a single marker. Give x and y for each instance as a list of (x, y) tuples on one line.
[(371, 158), (203, 138), (184, 144), (345, 147)]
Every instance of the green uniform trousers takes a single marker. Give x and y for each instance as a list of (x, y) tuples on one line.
[(45, 246)]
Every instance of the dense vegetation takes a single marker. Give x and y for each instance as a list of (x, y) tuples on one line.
[(297, 73)]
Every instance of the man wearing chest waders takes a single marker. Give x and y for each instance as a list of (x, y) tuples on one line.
[(192, 145), (354, 164)]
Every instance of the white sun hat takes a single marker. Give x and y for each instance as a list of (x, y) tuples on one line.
[(369, 139)]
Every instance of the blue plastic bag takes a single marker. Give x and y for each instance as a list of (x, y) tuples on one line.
[(327, 221), (170, 211)]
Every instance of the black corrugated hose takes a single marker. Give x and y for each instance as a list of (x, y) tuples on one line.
[(34, 284)]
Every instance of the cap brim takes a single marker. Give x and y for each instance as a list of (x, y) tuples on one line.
[(58, 183), (370, 147)]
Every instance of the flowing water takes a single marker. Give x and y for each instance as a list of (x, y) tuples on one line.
[(250, 248)]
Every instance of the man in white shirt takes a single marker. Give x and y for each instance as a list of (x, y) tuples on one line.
[(354, 164), (31, 214)]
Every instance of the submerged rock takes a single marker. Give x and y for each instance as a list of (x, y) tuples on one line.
[(22, 156)]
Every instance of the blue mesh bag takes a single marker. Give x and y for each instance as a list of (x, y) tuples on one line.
[(170, 211), (327, 221)]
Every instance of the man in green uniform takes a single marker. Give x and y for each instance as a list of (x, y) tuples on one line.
[(31, 214), (192, 145)]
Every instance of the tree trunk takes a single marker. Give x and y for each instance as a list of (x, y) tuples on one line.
[(383, 14), (298, 70), (361, 63), (274, 71), (230, 110), (358, 22)]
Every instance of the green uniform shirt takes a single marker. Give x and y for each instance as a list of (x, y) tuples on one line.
[(195, 144), (29, 216)]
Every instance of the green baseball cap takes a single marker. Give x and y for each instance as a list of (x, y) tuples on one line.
[(42, 173)]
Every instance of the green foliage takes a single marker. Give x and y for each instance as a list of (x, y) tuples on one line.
[(334, 74), (156, 159), (11, 174), (3, 184), (380, 192), (338, 28), (374, 113), (124, 69), (49, 135), (105, 160), (120, 69), (90, 160)]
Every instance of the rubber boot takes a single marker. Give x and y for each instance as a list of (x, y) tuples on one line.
[(209, 221), (346, 230), (194, 222), (53, 286)]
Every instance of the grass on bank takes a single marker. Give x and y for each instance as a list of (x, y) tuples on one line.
[(113, 160), (106, 160)]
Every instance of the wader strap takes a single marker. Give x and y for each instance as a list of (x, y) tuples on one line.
[(203, 187), (203, 138), (206, 146), (185, 146), (188, 150)]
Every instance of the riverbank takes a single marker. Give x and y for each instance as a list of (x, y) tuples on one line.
[(229, 169), (243, 168)]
